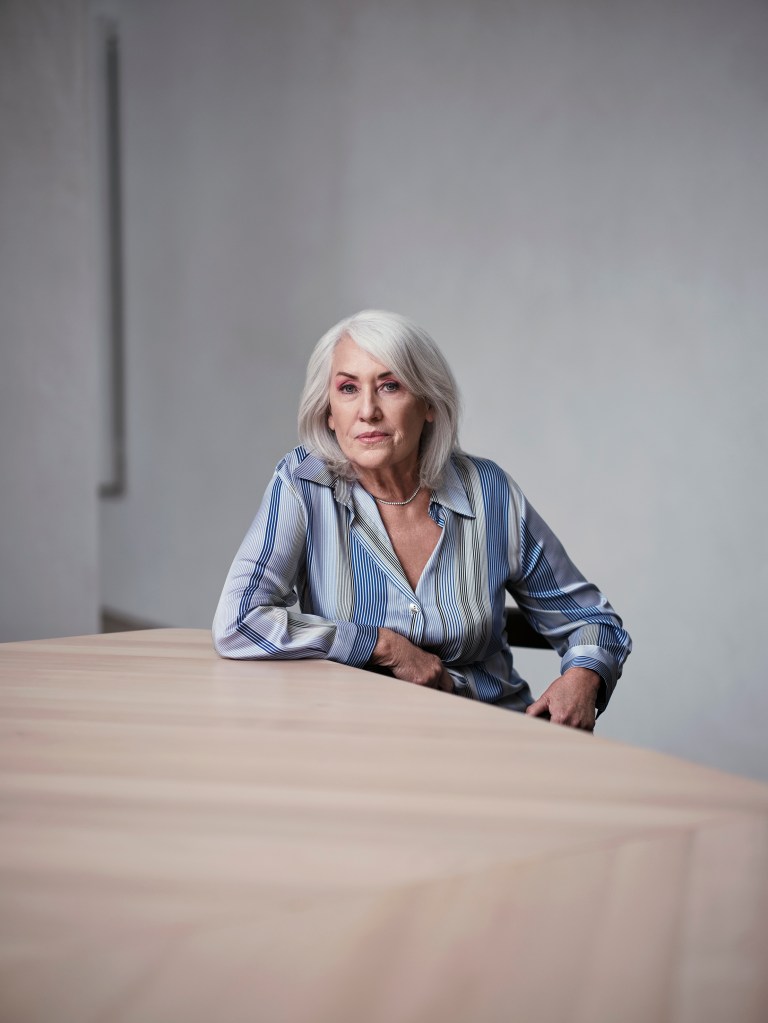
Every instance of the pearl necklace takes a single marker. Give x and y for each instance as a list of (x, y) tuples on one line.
[(398, 504)]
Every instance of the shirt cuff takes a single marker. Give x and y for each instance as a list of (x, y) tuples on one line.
[(461, 686), (353, 644), (598, 660)]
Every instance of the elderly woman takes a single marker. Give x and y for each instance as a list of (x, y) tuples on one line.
[(379, 543)]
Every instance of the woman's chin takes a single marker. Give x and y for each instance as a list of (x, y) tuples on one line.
[(373, 455)]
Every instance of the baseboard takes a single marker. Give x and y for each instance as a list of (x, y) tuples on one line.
[(118, 621)]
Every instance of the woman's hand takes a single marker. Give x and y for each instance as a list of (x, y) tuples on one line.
[(409, 662), (570, 699)]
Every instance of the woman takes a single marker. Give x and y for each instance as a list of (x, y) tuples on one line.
[(379, 543)]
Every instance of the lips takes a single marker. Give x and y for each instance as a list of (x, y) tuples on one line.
[(374, 435)]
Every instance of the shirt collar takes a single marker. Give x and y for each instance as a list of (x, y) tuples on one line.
[(450, 492), (315, 470)]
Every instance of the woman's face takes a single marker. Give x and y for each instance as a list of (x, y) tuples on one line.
[(377, 421)]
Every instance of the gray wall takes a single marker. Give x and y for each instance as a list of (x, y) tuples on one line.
[(48, 328), (569, 196)]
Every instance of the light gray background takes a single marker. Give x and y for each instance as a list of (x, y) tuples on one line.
[(570, 196)]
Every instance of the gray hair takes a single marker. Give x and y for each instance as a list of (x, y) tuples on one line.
[(414, 358)]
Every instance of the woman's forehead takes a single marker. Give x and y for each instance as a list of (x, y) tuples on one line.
[(350, 358)]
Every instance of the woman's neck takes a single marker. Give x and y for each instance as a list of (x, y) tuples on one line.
[(390, 484)]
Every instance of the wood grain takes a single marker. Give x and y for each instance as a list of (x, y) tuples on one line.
[(187, 838)]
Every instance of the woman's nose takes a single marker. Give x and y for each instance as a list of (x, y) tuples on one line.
[(369, 405)]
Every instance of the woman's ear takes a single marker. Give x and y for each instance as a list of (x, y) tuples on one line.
[(430, 415)]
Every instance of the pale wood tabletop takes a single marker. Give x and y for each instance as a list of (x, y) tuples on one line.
[(184, 838)]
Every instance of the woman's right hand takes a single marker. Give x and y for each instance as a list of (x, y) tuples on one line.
[(408, 662)]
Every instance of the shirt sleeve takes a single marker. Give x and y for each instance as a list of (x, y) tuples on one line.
[(570, 612), (258, 615)]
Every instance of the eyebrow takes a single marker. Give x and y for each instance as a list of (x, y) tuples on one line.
[(351, 376)]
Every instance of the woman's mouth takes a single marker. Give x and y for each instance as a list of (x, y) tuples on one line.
[(372, 437)]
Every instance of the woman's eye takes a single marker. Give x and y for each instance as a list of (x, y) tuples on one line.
[(391, 385), (347, 389)]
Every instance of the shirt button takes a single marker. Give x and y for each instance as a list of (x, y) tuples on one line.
[(414, 608)]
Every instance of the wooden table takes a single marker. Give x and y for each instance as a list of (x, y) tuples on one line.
[(189, 839)]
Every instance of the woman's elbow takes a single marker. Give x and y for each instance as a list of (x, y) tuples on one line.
[(224, 639), (229, 641)]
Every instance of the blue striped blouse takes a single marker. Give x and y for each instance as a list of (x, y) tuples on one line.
[(316, 576)]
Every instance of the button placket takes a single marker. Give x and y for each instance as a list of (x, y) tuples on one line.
[(414, 632)]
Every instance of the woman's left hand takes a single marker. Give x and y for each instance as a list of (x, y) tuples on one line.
[(570, 699)]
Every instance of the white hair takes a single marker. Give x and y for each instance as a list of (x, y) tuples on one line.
[(411, 354)]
